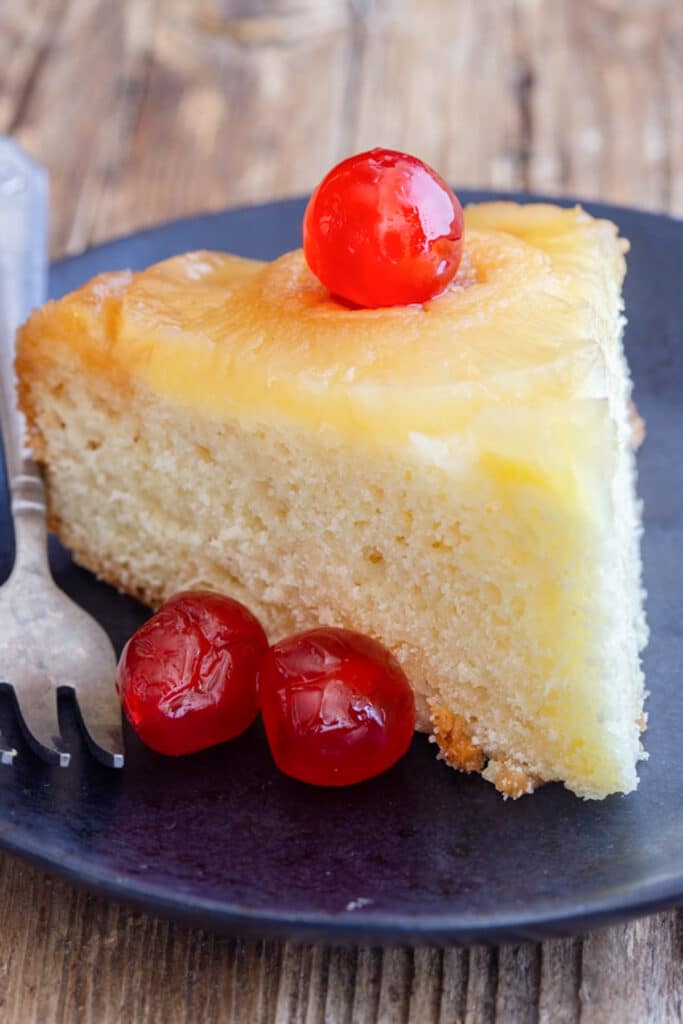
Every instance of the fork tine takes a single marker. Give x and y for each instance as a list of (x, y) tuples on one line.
[(38, 719), (44, 637), (99, 710)]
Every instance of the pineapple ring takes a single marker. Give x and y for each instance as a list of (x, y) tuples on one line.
[(223, 333)]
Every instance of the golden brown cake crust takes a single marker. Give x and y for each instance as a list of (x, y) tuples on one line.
[(458, 749), (454, 738), (510, 780)]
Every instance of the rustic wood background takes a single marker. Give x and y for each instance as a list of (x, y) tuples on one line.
[(150, 109)]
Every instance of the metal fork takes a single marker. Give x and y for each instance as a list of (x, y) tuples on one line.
[(47, 643)]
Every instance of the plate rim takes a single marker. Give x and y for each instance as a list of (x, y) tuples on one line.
[(363, 925), (356, 927)]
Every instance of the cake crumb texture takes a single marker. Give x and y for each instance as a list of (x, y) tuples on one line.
[(458, 749), (511, 780)]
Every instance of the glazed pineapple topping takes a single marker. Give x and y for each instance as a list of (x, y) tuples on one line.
[(447, 470)]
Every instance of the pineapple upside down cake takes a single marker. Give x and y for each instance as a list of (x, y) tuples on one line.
[(448, 469)]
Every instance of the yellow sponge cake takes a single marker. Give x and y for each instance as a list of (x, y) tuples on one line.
[(454, 478)]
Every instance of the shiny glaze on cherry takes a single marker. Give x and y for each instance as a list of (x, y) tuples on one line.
[(188, 677), (336, 705), (383, 229)]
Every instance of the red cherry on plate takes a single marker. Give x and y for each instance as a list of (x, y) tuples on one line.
[(336, 706), (383, 229), (188, 677)]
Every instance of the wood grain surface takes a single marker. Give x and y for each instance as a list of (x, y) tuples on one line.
[(145, 110)]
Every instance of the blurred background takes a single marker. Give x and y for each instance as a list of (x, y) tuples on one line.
[(145, 110)]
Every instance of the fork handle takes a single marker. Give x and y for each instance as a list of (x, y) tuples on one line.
[(23, 286)]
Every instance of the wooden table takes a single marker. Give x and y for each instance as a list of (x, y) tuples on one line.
[(145, 110)]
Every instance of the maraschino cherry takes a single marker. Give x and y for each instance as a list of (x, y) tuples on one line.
[(336, 705), (383, 229), (188, 677)]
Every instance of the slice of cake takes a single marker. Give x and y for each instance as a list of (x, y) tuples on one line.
[(454, 478)]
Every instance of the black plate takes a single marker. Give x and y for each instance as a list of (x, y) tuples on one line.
[(423, 853)]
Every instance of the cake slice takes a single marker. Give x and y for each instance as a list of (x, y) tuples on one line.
[(455, 479)]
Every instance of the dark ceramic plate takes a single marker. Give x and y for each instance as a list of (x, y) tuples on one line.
[(422, 853)]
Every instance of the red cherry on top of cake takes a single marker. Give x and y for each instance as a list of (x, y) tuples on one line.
[(383, 229)]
